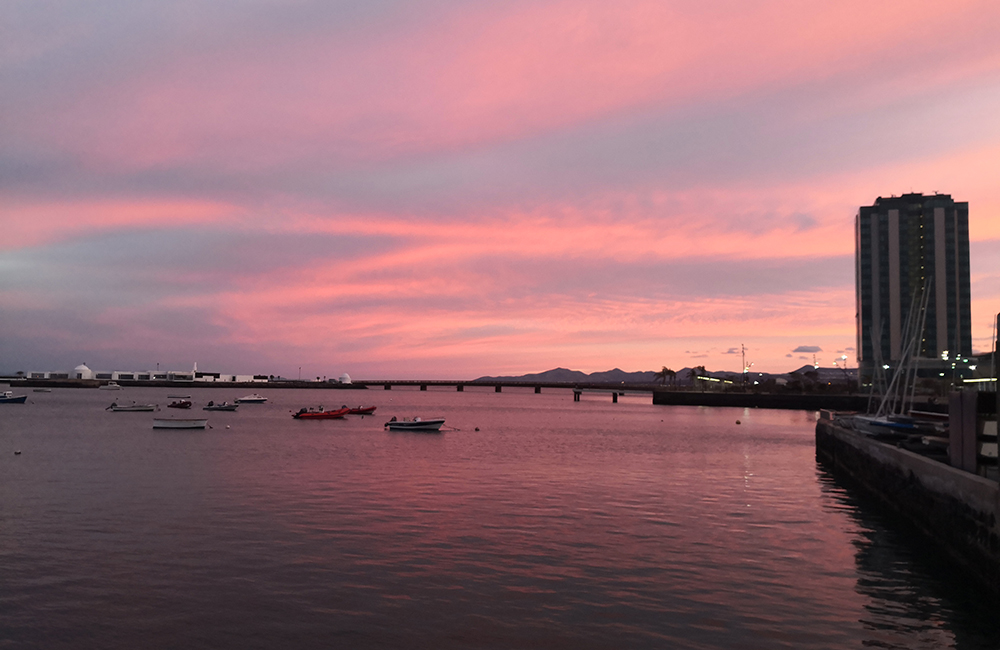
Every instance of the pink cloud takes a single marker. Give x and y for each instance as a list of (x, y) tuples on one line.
[(470, 76), (501, 188)]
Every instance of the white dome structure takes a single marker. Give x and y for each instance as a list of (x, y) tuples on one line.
[(83, 372), (345, 378)]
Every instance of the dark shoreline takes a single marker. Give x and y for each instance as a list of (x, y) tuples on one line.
[(124, 383)]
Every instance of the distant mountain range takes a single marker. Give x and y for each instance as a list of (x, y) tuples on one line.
[(683, 376), (564, 374)]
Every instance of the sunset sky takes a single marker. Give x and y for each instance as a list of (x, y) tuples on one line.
[(445, 189)]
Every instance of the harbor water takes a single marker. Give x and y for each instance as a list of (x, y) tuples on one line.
[(532, 521)]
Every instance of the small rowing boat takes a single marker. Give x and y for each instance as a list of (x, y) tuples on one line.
[(130, 408), (360, 410), (416, 424), (179, 423)]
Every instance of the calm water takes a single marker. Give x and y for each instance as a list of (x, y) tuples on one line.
[(557, 525)]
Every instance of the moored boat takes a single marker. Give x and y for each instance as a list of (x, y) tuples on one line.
[(251, 399), (133, 407), (111, 385), (360, 410), (180, 404), (42, 390), (320, 414), (8, 397), (179, 423), (416, 424), (225, 406)]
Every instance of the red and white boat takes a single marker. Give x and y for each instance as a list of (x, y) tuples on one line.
[(320, 414)]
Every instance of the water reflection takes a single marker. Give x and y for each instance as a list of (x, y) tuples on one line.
[(914, 598), (558, 524)]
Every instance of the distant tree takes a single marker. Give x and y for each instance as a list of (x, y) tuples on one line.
[(663, 374), (696, 373)]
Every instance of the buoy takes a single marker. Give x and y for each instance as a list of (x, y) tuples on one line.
[(227, 426), (17, 453), (477, 429), (737, 422)]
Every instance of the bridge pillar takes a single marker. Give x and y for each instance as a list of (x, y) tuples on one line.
[(460, 388), (498, 388), (614, 397), (423, 386), (538, 389), (387, 386), (576, 395)]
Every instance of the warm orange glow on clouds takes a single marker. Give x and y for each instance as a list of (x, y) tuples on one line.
[(451, 190)]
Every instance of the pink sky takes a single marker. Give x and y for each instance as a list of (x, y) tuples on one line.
[(445, 189)]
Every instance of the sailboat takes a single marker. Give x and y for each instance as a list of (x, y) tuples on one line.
[(893, 419)]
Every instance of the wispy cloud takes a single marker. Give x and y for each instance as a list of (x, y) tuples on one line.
[(471, 189)]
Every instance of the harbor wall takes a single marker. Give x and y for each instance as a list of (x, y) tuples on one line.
[(957, 510), (809, 402)]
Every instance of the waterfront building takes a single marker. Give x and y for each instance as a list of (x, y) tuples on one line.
[(899, 243)]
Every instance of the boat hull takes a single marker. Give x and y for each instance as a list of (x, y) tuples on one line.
[(142, 408), (19, 399), (179, 423), (361, 410), (433, 425), (320, 415)]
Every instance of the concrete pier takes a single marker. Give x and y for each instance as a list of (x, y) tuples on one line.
[(956, 510)]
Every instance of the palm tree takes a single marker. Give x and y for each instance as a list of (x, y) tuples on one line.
[(663, 374), (695, 373)]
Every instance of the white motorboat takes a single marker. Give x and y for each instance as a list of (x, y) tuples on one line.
[(251, 399), (133, 407), (8, 397), (225, 406), (111, 385), (416, 424), (179, 423)]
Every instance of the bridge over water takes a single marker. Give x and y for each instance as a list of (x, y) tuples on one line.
[(578, 388)]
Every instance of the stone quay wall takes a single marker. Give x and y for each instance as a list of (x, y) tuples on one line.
[(957, 510)]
